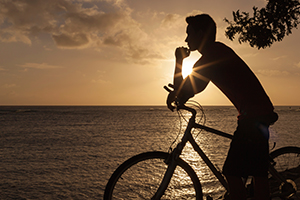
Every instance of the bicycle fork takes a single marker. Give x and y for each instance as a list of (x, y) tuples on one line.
[(171, 161)]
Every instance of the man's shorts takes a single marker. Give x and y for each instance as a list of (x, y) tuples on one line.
[(249, 150)]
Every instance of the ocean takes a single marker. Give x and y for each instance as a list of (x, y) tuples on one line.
[(69, 152)]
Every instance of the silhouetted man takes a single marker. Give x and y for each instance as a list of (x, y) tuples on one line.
[(249, 149)]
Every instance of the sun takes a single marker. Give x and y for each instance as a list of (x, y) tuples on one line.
[(187, 66)]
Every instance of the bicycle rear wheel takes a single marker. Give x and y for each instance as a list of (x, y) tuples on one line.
[(287, 163), (140, 176)]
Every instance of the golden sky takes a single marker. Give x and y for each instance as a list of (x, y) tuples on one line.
[(121, 52)]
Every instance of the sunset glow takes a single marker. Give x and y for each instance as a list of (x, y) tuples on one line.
[(121, 52), (187, 67)]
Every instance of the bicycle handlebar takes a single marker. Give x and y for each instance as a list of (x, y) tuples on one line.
[(168, 89), (184, 107), (180, 106)]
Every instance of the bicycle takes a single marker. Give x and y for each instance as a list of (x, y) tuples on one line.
[(165, 175)]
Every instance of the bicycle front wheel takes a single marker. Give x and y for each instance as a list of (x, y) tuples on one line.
[(140, 176), (287, 163)]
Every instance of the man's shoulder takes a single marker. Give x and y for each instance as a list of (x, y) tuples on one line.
[(224, 55), (219, 46), (218, 50)]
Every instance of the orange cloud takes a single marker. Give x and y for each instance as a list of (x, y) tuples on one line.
[(39, 66), (88, 24)]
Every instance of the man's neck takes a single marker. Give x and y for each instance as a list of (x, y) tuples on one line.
[(203, 48)]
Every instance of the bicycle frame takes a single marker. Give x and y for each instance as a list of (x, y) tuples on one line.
[(212, 167), (188, 137)]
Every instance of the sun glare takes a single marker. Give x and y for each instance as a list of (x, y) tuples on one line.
[(187, 67)]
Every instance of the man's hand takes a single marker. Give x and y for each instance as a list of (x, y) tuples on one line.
[(171, 99), (176, 97), (181, 53)]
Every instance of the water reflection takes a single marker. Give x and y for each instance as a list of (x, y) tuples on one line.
[(210, 184), (215, 147), (142, 180)]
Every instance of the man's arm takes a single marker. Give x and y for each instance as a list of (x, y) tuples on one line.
[(189, 86), (193, 84), (180, 54), (186, 88)]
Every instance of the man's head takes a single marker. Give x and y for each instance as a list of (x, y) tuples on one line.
[(201, 30)]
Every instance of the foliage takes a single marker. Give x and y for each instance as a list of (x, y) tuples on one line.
[(268, 25)]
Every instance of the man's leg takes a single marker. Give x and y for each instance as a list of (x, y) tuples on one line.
[(261, 188), (237, 190)]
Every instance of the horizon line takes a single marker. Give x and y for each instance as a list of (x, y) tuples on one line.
[(160, 105)]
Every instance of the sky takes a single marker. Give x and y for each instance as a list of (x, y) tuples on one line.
[(121, 52)]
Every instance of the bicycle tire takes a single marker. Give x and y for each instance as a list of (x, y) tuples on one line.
[(140, 176), (287, 163)]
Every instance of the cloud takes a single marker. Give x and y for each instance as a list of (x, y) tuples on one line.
[(100, 81), (143, 55), (171, 20), (101, 77), (22, 19), (119, 39), (79, 40), (72, 24), (78, 24), (64, 19), (273, 72), (7, 86), (39, 66), (195, 12), (298, 65), (279, 57), (47, 48)]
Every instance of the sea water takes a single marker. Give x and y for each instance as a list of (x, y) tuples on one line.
[(69, 152)]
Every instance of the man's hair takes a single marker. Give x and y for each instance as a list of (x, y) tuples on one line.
[(205, 23)]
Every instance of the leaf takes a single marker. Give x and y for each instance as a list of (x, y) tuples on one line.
[(267, 25)]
